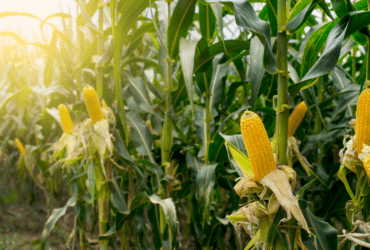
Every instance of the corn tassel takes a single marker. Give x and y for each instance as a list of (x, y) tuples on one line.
[(93, 104), (257, 144), (367, 165), (296, 118), (363, 120), (65, 118), (20, 147)]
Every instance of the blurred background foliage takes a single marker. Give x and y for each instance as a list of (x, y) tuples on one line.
[(177, 75)]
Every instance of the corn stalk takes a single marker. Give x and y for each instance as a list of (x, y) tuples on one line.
[(104, 205), (78, 56), (166, 140), (282, 109), (317, 126), (99, 70)]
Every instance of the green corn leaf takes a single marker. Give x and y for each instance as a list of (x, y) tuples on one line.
[(272, 6), (300, 13), (169, 210), (187, 53), (247, 18), (205, 182), (201, 63), (241, 159), (256, 70), (182, 18), (314, 45), (325, 237), (207, 21), (215, 86), (349, 24), (140, 135), (53, 219)]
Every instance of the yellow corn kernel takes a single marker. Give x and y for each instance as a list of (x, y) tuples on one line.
[(367, 165), (65, 118), (363, 120), (93, 104), (20, 147), (296, 118), (257, 144)]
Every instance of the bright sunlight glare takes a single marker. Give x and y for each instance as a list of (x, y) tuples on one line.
[(28, 28)]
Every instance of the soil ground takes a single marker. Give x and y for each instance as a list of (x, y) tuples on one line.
[(21, 229)]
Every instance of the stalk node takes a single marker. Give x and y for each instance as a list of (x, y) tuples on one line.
[(282, 30), (282, 108)]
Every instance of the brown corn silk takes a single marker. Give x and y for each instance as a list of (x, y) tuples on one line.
[(257, 144)]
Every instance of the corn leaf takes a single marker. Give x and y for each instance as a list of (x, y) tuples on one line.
[(53, 219), (349, 24), (247, 18), (256, 70), (241, 160), (201, 62), (325, 237), (140, 135), (181, 19), (140, 94), (187, 53), (207, 21), (300, 13), (215, 87), (205, 182), (169, 210)]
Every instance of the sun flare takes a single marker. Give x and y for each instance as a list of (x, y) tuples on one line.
[(28, 28)]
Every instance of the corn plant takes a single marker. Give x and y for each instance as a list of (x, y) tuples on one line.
[(185, 124)]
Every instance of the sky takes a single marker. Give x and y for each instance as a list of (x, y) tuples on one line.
[(27, 27)]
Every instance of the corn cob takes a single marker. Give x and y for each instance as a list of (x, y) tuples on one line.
[(367, 165), (363, 120), (20, 147), (257, 144), (296, 118), (65, 118), (93, 104)]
